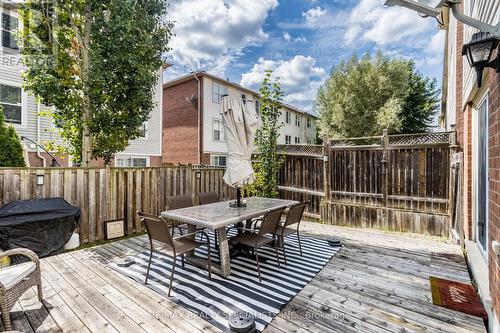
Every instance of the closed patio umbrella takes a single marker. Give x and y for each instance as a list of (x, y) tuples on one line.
[(240, 123)]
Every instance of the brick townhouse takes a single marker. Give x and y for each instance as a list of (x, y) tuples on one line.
[(475, 115), (193, 130)]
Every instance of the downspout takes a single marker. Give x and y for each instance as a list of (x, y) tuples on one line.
[(199, 118), (38, 153)]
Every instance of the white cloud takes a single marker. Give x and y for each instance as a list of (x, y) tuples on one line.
[(288, 38), (313, 15), (211, 33), (371, 21), (299, 76)]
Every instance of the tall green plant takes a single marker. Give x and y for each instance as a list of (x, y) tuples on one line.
[(269, 160), (11, 153), (97, 63)]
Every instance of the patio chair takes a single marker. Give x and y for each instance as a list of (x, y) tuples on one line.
[(178, 202), (256, 239), (158, 229), (205, 198), (293, 216), (15, 280)]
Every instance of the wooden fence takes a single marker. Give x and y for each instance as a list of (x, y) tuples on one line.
[(393, 182), (110, 193), (400, 183)]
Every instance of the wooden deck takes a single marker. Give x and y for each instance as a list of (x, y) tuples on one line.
[(377, 283)]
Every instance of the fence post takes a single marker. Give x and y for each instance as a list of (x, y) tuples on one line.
[(326, 180), (452, 190), (384, 171)]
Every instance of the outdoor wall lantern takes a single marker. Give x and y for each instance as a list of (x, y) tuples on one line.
[(39, 179), (479, 51)]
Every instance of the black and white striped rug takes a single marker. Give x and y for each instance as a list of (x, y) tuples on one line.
[(217, 298)]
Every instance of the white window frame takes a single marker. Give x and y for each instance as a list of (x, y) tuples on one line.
[(146, 131), (288, 139), (297, 140), (12, 14), (476, 173), (222, 132), (218, 93), (311, 141), (24, 103), (130, 157), (297, 120), (217, 156), (308, 122), (288, 117)]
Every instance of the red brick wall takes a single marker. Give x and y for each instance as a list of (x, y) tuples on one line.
[(467, 149), (180, 123), (36, 161), (494, 188), (155, 161), (205, 158), (463, 126)]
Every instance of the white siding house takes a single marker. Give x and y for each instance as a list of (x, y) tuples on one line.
[(23, 112), (301, 129)]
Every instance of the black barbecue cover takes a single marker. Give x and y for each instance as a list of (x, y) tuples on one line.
[(41, 225)]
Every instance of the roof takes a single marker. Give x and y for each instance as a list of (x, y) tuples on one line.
[(191, 75)]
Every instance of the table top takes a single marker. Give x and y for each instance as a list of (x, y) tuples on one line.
[(219, 214)]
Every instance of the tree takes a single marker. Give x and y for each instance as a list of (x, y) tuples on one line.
[(11, 154), (269, 161), (96, 62), (364, 96), (420, 105)]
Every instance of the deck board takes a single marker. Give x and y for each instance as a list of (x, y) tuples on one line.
[(377, 283)]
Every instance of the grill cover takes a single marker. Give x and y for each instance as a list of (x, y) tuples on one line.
[(41, 225)]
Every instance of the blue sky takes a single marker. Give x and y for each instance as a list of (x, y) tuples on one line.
[(301, 40)]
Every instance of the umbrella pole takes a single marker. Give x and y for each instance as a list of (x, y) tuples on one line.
[(238, 197)]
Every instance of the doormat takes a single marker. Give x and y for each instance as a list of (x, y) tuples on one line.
[(457, 296)]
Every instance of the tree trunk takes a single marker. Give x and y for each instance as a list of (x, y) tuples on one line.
[(87, 108)]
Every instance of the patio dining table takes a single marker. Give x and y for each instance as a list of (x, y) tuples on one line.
[(217, 216)]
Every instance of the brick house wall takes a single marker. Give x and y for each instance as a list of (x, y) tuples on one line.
[(36, 161), (463, 126), (180, 123), (494, 188)]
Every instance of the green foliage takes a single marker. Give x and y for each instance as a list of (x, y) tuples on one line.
[(269, 163), (364, 96), (97, 63), (11, 154)]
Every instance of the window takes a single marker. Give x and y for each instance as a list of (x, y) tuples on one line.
[(244, 98), (125, 162), (218, 90), (218, 130), (288, 139), (297, 140), (257, 106), (144, 130), (297, 120), (288, 117), (311, 141), (11, 101), (218, 160), (308, 122), (9, 25)]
